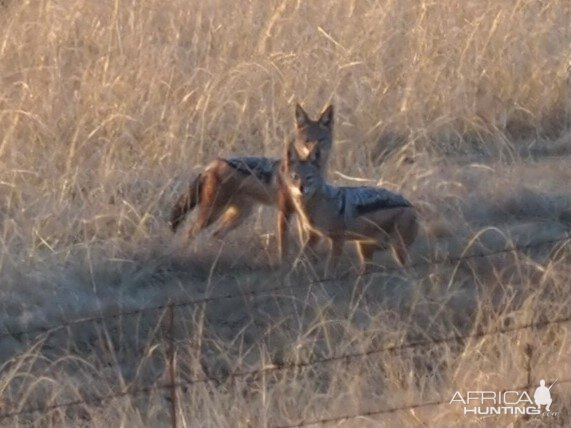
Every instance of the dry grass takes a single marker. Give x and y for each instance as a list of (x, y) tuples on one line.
[(107, 108)]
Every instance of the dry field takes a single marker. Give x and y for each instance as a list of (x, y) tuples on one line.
[(108, 108)]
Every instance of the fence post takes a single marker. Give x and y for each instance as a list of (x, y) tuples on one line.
[(528, 350), (172, 370), (529, 355)]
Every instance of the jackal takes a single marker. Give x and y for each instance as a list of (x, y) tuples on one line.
[(372, 216), (231, 188)]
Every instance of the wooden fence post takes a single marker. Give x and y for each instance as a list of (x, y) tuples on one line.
[(172, 369)]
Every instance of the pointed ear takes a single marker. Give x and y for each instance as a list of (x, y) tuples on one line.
[(301, 117), (326, 118)]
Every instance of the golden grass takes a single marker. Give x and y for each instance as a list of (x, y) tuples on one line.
[(107, 108)]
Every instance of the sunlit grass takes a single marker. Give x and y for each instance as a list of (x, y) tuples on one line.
[(107, 108)]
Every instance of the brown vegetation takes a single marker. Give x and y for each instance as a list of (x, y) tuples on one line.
[(108, 108)]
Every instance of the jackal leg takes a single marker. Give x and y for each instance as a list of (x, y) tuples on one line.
[(312, 239), (301, 232), (212, 204), (334, 255), (398, 247), (403, 235), (400, 253), (206, 216), (366, 251), (308, 239), (283, 221), (233, 217), (286, 209)]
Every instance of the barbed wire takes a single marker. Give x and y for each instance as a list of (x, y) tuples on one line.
[(378, 412), (95, 400), (255, 293), (289, 366)]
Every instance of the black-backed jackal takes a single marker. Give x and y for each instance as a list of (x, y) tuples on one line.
[(231, 188), (372, 216)]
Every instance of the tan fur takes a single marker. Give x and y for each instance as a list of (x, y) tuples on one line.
[(226, 193), (223, 192), (318, 204)]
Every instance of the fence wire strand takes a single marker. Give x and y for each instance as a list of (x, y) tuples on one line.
[(287, 366), (431, 342), (268, 291), (378, 412)]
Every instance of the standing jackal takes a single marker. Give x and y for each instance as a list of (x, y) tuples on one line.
[(372, 216), (231, 188)]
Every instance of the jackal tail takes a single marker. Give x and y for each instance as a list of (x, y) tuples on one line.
[(186, 203)]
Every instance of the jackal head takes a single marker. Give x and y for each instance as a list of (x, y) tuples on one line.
[(310, 134), (304, 175)]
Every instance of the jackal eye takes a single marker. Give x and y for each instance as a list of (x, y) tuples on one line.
[(294, 176)]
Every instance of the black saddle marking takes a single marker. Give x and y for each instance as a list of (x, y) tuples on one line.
[(263, 169), (375, 199)]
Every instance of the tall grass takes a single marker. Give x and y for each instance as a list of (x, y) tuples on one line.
[(106, 99), (106, 109)]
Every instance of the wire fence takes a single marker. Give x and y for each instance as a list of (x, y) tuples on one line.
[(172, 386), (347, 357), (271, 290), (378, 412)]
